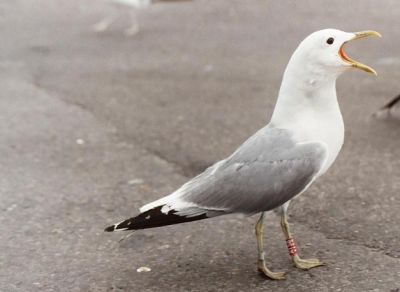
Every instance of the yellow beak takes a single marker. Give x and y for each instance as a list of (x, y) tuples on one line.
[(358, 35)]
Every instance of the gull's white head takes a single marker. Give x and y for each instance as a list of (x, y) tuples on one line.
[(307, 103), (322, 53), (309, 81)]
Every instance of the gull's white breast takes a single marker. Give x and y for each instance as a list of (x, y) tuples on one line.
[(315, 118), (326, 127)]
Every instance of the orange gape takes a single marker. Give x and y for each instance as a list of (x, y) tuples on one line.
[(343, 55)]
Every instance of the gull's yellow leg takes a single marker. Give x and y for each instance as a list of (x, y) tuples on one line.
[(299, 263), (261, 260)]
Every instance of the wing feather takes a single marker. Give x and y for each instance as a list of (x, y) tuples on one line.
[(268, 170)]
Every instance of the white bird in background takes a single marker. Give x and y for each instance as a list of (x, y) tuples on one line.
[(132, 7), (280, 161)]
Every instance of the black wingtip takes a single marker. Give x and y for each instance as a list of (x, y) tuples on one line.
[(110, 228), (153, 218)]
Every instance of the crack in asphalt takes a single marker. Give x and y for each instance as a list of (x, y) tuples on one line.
[(192, 169), (188, 171), (348, 241)]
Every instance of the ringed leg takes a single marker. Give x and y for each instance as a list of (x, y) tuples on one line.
[(261, 260), (105, 23), (299, 263), (134, 28)]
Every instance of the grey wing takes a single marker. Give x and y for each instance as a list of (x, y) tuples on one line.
[(268, 170)]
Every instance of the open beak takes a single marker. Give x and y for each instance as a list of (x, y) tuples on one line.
[(353, 63)]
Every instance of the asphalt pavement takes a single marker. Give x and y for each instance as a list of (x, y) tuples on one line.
[(94, 125)]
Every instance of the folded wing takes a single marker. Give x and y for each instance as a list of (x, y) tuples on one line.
[(268, 170)]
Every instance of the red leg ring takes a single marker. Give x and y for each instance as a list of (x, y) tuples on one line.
[(291, 246)]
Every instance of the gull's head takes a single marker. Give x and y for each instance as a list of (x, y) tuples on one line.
[(322, 52)]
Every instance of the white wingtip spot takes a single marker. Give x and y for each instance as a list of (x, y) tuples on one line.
[(121, 229), (165, 209)]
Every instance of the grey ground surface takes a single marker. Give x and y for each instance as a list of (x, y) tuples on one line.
[(93, 126)]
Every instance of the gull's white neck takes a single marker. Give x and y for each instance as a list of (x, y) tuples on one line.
[(308, 106)]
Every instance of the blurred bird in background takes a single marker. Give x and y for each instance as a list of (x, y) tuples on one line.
[(132, 8)]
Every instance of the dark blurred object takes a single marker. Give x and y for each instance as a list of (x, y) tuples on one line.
[(387, 109)]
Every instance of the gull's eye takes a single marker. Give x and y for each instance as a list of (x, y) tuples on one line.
[(329, 41)]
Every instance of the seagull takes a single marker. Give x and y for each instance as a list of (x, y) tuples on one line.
[(388, 107), (281, 160), (133, 7)]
